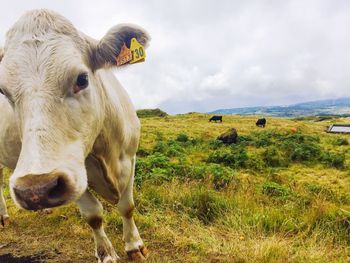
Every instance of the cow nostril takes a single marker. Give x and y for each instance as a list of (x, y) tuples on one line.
[(35, 192), (58, 190)]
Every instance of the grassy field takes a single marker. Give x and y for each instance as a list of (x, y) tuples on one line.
[(280, 195)]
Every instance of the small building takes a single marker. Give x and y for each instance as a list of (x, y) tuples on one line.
[(339, 128)]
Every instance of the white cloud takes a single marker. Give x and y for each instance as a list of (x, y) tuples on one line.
[(208, 54)]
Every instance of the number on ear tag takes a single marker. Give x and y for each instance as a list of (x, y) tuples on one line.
[(125, 55), (138, 51)]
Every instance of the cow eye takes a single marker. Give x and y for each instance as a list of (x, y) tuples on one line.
[(82, 82), (2, 92)]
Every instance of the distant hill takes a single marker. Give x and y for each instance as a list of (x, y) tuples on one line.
[(144, 113), (335, 107)]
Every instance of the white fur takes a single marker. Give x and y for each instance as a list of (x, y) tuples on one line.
[(3, 210), (90, 207), (45, 127)]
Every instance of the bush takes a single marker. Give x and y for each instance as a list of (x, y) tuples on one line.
[(215, 144), (273, 158), (333, 159), (300, 147), (304, 152), (299, 137), (182, 137), (323, 191), (142, 170), (160, 147), (225, 157), (170, 148), (235, 158), (158, 160), (222, 176), (173, 149), (142, 152), (241, 158), (339, 141), (143, 113), (245, 140), (263, 139), (275, 189), (255, 162)]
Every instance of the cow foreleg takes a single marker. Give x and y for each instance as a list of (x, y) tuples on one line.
[(4, 217), (134, 246), (91, 209)]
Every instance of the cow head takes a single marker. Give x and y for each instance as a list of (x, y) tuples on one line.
[(48, 74)]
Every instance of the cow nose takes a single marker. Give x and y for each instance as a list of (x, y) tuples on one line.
[(38, 191)]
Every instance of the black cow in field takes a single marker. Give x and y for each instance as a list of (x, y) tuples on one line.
[(261, 122), (216, 118)]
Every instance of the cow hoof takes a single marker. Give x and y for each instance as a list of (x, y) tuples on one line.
[(4, 220), (106, 254), (138, 254), (109, 259)]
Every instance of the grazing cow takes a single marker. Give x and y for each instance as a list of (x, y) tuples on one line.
[(261, 122), (67, 124), (215, 118)]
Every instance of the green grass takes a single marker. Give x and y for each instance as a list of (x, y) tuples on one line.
[(280, 195)]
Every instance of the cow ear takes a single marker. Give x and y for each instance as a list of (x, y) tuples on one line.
[(104, 53)]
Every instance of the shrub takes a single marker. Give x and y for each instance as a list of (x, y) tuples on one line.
[(225, 157), (215, 144), (173, 149), (182, 137), (143, 113), (235, 158), (339, 141), (255, 162), (317, 189), (245, 140), (263, 139), (170, 148), (142, 152), (241, 158), (275, 189), (273, 158), (158, 160), (298, 137), (221, 176), (160, 147), (195, 141), (199, 172), (333, 159), (300, 148), (304, 152), (142, 170)]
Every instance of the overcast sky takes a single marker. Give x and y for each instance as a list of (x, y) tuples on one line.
[(206, 55)]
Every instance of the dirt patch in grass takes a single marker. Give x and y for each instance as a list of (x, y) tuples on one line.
[(10, 258)]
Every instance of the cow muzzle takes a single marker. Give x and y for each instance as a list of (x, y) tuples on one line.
[(39, 191)]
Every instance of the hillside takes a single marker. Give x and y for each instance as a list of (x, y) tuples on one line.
[(336, 107), (280, 195), (145, 113)]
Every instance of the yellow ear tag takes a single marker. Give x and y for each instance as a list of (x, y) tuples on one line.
[(125, 55), (138, 51)]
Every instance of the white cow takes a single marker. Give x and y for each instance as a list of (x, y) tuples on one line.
[(67, 125)]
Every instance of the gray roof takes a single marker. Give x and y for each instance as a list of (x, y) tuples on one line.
[(339, 128)]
